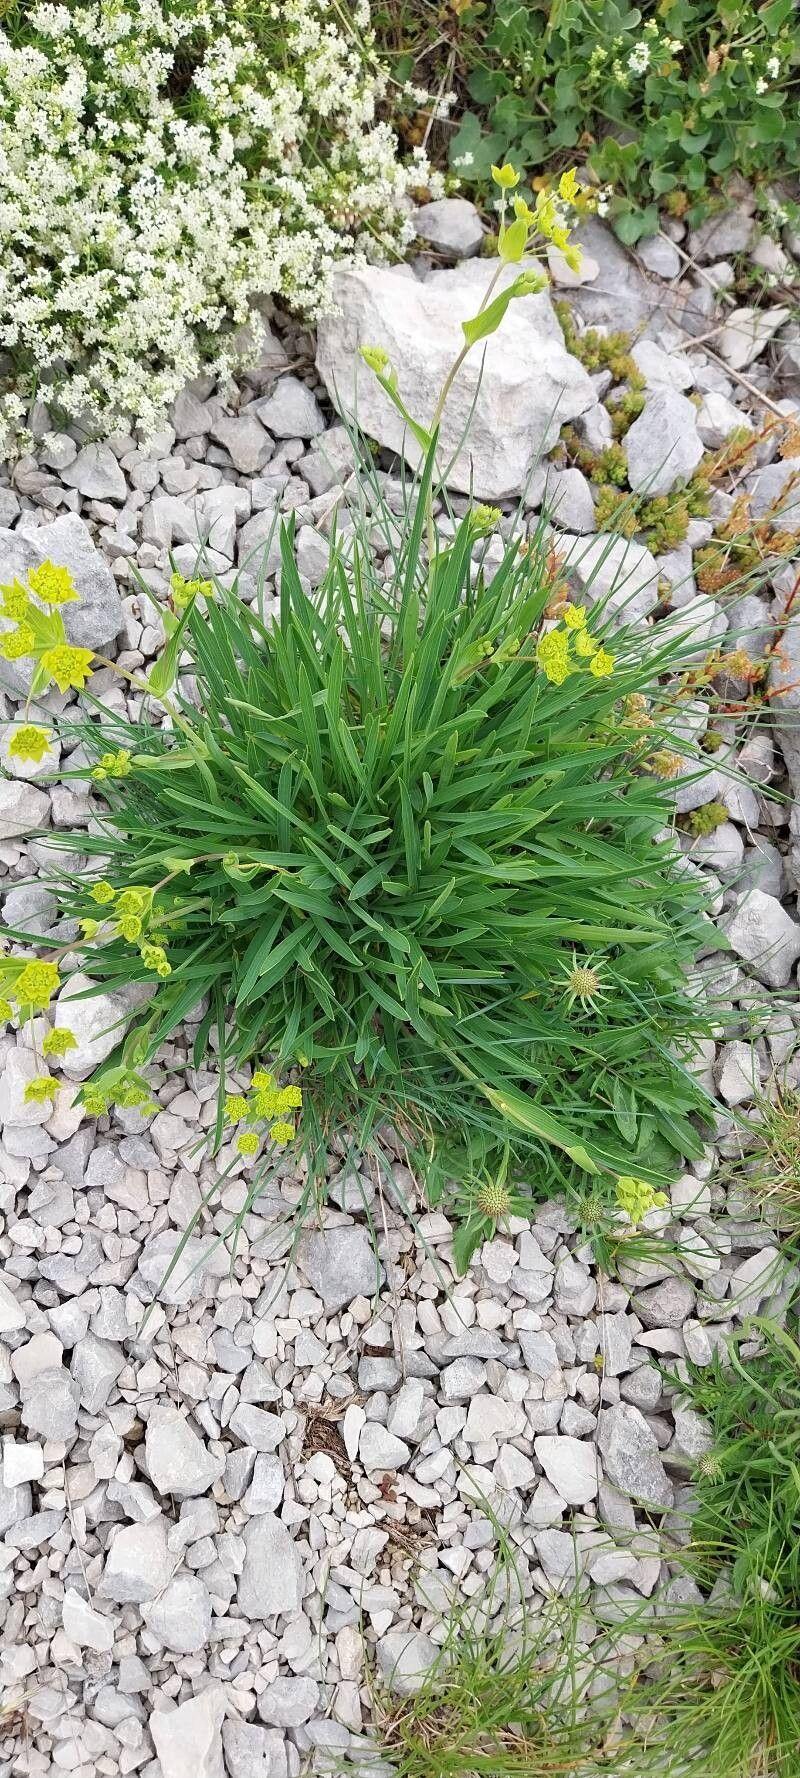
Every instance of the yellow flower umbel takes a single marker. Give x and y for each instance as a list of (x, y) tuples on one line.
[(601, 665), (29, 742), (42, 1087), (67, 665), (636, 1197), (16, 644), (113, 765), (155, 957), (236, 1107), (59, 1041), (35, 986), (53, 585), (15, 601), (185, 591), (248, 1144), (552, 654)]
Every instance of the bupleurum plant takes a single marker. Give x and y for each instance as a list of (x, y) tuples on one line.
[(403, 847)]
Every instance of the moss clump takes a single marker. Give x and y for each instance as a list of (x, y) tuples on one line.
[(598, 351), (628, 408), (707, 819), (616, 511)]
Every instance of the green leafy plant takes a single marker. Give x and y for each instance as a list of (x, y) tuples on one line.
[(406, 843), (724, 1695), (665, 100), (384, 841)]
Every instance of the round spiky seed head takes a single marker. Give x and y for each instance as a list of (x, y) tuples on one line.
[(583, 982), (494, 1200), (710, 1467)]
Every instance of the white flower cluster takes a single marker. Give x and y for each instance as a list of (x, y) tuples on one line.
[(164, 162)]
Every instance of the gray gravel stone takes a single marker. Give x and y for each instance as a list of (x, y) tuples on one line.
[(50, 1404), (380, 1449), (181, 1616), (288, 1702), (340, 1264), (660, 256), (253, 1752), (271, 1581), (404, 1658), (95, 473), (667, 1304), (188, 1741), (761, 932), (138, 1564), (245, 440), (84, 1626), (23, 808), (292, 411), (178, 1462), (451, 225), (95, 1366), (729, 231), (570, 1465), (98, 1023), (616, 570), (15, 1505), (662, 446), (631, 1456)]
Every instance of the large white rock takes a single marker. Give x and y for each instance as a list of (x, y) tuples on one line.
[(613, 571), (178, 1462), (96, 616), (271, 1581), (188, 1741), (519, 386), (663, 446), (98, 1023), (571, 1467)]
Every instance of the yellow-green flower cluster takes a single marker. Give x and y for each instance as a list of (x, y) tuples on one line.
[(548, 220), (39, 634), (636, 1197), (29, 742), (42, 1087), (570, 646), (27, 987), (128, 1091), (59, 1041), (184, 591), (265, 1101), (112, 765), (129, 913)]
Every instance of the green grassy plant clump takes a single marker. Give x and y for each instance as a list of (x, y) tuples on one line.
[(407, 845), (507, 1695), (725, 1696), (666, 100)]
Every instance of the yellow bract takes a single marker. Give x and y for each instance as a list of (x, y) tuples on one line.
[(67, 665), (506, 177), (29, 742), (51, 584)]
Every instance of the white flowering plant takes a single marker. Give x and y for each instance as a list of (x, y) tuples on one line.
[(162, 165), (667, 99)]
